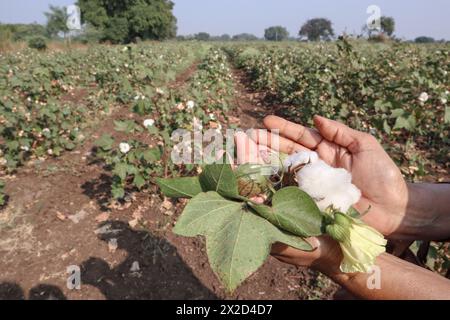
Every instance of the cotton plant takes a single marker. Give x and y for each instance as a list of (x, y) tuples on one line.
[(275, 198)]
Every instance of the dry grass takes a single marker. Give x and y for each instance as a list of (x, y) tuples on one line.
[(58, 46)]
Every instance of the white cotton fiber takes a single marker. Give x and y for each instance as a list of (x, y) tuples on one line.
[(299, 158), (328, 185)]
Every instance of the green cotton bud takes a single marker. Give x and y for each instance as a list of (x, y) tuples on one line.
[(337, 232), (253, 180), (360, 243)]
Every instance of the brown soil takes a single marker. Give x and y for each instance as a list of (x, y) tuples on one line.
[(59, 215)]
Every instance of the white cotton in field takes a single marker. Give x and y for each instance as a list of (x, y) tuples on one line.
[(328, 185)]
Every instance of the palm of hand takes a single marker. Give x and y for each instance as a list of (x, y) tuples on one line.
[(383, 188)]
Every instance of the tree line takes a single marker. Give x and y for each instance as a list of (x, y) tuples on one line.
[(133, 20)]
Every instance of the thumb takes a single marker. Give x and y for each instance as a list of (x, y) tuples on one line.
[(337, 132)]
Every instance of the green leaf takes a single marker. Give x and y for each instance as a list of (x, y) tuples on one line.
[(352, 212), (204, 212), (447, 115), (118, 192), (408, 123), (121, 170), (294, 211), (220, 178), (152, 155), (237, 240), (105, 142), (138, 181), (386, 127), (397, 113), (127, 126), (180, 187)]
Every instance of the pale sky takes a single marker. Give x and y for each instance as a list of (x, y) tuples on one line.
[(413, 17)]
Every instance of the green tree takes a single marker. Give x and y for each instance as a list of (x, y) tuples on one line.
[(276, 33), (424, 39), (225, 37), (56, 21), (387, 25), (245, 37), (317, 29), (202, 36), (127, 20)]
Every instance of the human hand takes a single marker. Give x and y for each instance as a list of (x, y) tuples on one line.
[(326, 255), (383, 188)]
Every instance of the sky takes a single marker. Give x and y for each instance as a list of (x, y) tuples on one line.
[(413, 17)]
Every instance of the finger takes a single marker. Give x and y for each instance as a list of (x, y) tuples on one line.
[(283, 250), (336, 132), (247, 149), (299, 134), (276, 142)]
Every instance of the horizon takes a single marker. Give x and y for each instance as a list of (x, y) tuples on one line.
[(413, 18)]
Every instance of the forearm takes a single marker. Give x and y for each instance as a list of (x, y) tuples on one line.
[(398, 280), (427, 212)]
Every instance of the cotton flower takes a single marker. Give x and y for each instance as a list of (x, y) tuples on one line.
[(124, 147), (159, 91), (46, 130), (25, 148), (3, 162), (360, 244), (424, 97), (444, 100), (328, 186), (212, 116), (190, 104), (50, 152), (149, 123)]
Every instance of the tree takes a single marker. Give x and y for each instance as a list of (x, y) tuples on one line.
[(424, 39), (245, 37), (317, 29), (126, 20), (277, 33), (202, 36), (57, 21), (23, 32), (387, 25), (225, 37)]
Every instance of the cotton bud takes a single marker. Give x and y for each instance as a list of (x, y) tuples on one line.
[(124, 147), (190, 104), (423, 97), (149, 123)]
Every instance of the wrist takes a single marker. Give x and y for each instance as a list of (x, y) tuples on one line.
[(427, 215)]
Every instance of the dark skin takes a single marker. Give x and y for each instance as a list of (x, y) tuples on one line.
[(399, 210)]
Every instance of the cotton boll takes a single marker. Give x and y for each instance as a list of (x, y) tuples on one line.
[(328, 186), (299, 158)]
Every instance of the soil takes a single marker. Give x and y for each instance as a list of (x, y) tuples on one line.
[(59, 217)]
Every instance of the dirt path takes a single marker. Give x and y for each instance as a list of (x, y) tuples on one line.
[(290, 282), (58, 217)]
